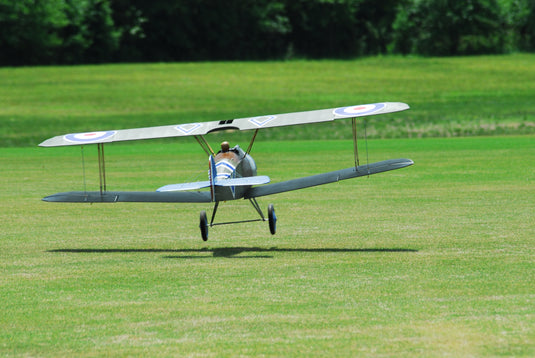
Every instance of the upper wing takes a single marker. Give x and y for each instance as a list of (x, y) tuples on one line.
[(191, 129)]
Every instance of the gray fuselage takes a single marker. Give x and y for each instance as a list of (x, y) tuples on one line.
[(234, 163)]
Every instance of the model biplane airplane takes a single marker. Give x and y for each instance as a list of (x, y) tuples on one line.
[(232, 171)]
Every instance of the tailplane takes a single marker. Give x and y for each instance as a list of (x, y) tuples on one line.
[(245, 181)]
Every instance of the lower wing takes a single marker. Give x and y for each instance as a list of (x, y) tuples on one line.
[(130, 196), (326, 178), (205, 197)]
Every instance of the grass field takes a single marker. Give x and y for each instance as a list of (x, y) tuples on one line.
[(487, 95), (437, 259)]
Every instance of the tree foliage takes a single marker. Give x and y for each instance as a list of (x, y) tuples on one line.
[(450, 27), (95, 31), (90, 35), (30, 31), (523, 24)]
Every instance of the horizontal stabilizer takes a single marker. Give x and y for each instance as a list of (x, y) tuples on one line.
[(326, 178), (245, 181), (185, 186), (129, 196)]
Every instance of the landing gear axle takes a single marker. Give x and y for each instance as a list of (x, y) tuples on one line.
[(272, 219)]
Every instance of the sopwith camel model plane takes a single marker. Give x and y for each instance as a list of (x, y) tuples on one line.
[(232, 170)]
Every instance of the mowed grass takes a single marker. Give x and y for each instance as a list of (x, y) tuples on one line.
[(486, 95), (437, 259)]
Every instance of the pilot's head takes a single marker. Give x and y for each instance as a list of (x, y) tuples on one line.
[(225, 147)]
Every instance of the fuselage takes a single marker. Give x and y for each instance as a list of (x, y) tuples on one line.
[(233, 163)]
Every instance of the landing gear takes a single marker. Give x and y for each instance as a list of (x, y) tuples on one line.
[(203, 225), (272, 219)]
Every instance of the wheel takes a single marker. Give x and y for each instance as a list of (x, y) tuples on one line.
[(272, 219), (203, 225)]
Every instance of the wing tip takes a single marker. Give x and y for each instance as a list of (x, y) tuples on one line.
[(397, 106), (405, 162), (46, 143)]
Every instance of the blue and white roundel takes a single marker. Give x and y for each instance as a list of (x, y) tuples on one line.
[(360, 110), (90, 137)]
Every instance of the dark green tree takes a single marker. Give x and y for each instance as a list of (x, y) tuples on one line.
[(450, 27), (375, 25), (341, 28), (30, 31), (74, 34), (101, 35), (129, 20), (524, 24), (189, 30), (324, 28)]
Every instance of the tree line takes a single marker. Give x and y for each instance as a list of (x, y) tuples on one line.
[(42, 32)]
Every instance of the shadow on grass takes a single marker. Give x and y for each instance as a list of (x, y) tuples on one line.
[(230, 252)]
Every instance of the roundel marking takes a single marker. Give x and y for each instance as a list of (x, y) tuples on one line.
[(89, 137), (360, 110)]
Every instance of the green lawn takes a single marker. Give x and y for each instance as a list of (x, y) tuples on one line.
[(485, 95), (437, 259)]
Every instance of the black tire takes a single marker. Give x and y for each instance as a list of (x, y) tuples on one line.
[(203, 225), (272, 219)]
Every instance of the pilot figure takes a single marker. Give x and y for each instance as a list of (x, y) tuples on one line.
[(225, 147)]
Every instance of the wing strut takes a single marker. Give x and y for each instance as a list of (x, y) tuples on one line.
[(204, 145), (83, 167), (101, 167), (366, 141), (252, 142), (355, 145)]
